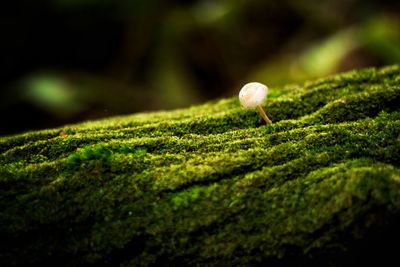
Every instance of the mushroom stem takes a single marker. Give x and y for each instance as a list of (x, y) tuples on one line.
[(262, 113)]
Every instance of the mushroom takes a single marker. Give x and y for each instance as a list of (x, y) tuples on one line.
[(253, 95)]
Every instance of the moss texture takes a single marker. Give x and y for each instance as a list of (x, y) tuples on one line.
[(206, 186)]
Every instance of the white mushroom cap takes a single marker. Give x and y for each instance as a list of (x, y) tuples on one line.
[(253, 94)]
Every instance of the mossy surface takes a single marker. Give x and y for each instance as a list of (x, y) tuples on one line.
[(205, 186)]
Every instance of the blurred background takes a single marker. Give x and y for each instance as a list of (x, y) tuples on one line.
[(65, 61)]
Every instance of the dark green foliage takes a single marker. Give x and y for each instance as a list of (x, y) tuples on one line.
[(206, 186)]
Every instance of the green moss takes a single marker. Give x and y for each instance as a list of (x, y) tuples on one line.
[(206, 186)]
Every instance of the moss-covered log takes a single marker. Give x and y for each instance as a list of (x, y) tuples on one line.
[(207, 186)]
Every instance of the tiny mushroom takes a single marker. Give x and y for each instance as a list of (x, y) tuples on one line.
[(253, 95)]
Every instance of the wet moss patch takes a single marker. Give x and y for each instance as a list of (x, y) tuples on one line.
[(208, 186)]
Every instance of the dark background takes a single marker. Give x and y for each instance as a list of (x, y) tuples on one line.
[(65, 61)]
